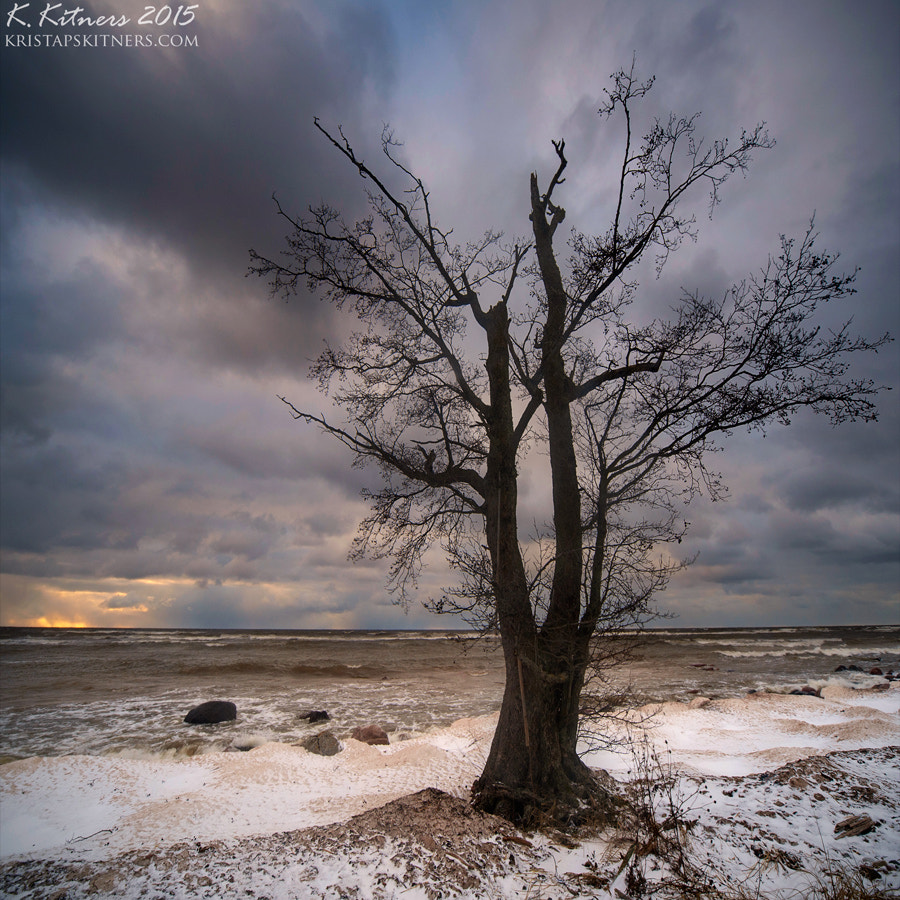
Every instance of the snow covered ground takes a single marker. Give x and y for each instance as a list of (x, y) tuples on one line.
[(768, 786)]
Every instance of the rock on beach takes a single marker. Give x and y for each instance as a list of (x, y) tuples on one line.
[(806, 691), (324, 744), (370, 734)]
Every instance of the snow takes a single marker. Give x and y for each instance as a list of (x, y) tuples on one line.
[(741, 736), (136, 824), (47, 803)]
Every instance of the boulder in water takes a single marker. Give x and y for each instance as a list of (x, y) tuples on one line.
[(315, 715), (370, 734), (211, 712)]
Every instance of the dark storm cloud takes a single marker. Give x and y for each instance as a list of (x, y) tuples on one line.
[(832, 545), (183, 150), (43, 329), (126, 601), (187, 147), (831, 486), (140, 517)]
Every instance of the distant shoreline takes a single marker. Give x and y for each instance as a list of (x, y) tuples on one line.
[(449, 631)]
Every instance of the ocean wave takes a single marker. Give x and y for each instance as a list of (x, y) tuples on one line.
[(715, 635), (847, 679), (221, 638), (298, 670), (30, 641), (814, 650), (115, 691)]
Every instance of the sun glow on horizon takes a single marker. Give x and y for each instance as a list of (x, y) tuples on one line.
[(44, 622)]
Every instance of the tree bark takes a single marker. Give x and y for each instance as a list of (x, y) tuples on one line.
[(533, 769), (564, 654)]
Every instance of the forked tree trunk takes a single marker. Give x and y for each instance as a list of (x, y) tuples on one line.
[(533, 768)]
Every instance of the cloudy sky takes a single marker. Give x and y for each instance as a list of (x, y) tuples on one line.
[(150, 475)]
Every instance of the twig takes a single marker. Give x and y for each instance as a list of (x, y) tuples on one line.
[(88, 836)]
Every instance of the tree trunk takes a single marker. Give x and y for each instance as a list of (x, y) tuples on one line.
[(533, 769)]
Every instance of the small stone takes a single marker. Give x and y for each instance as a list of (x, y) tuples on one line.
[(869, 872), (324, 744), (806, 691), (370, 734)]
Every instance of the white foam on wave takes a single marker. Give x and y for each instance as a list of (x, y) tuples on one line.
[(852, 681), (809, 648)]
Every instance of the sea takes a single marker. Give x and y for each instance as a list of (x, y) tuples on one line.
[(126, 691)]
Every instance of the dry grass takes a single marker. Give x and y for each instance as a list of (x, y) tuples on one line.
[(655, 835)]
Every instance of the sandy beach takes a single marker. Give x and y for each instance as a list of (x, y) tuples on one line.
[(767, 788)]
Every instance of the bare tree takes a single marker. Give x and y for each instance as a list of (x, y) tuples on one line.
[(626, 414)]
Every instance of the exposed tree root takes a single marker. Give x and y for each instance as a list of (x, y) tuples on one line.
[(591, 800)]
